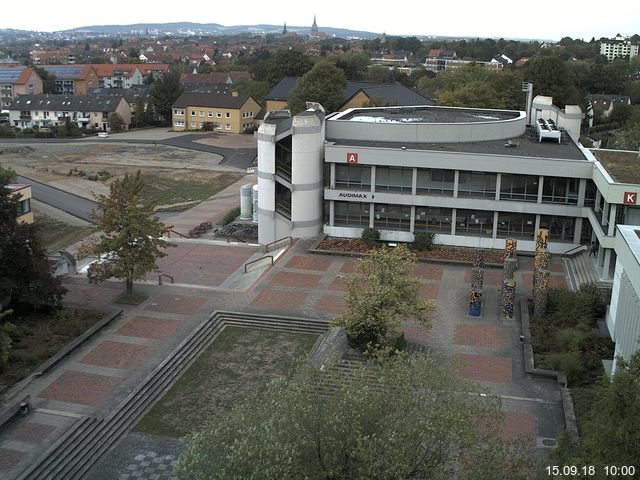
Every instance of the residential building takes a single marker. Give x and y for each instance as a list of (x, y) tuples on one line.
[(88, 111), (118, 75), (618, 47), (604, 104), (153, 71), (23, 193), (356, 94), (233, 113), (17, 80), (73, 79)]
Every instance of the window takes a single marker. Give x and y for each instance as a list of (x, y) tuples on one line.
[(477, 223), (283, 200), (227, 126), (201, 113), (435, 182), (218, 115), (193, 113), (560, 190), (519, 187), (227, 115), (250, 114), (193, 124), (178, 111), (394, 179), (210, 114), (179, 123), (560, 228), (516, 225), (356, 177), (24, 206), (351, 214), (433, 219), (477, 184), (392, 217), (590, 194)]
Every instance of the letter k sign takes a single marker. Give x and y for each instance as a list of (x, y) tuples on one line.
[(630, 198)]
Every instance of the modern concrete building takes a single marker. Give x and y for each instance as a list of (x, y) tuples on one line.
[(623, 320)]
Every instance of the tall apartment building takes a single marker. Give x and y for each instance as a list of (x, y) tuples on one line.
[(618, 47)]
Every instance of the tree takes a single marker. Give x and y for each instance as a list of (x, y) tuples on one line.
[(165, 92), (404, 417), (380, 296), (26, 281), (355, 65), (116, 122), (254, 88), (128, 231), (286, 63), (6, 329), (550, 77), (140, 113), (324, 84), (48, 80), (610, 435)]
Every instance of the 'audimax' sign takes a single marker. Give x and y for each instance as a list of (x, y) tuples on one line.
[(364, 196)]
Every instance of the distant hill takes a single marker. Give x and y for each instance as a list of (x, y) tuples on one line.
[(190, 28)]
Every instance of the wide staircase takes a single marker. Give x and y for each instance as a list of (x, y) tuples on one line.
[(90, 438), (582, 271)]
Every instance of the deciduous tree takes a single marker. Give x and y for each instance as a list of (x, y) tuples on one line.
[(128, 231), (165, 92), (383, 292), (324, 84), (404, 417)]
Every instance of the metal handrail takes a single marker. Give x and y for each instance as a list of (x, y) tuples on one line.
[(164, 275), (573, 250), (266, 247), (257, 260), (177, 233)]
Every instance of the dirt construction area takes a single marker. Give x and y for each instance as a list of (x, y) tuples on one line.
[(88, 168)]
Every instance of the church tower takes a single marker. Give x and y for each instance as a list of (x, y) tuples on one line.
[(314, 28), (284, 32)]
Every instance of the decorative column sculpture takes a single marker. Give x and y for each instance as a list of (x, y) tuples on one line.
[(541, 293), (508, 298), (475, 302), (510, 246)]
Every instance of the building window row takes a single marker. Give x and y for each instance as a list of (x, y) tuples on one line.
[(468, 222)]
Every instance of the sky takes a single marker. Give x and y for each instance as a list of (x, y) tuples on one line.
[(548, 19)]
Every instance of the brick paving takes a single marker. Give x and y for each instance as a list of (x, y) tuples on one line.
[(80, 387), (295, 279), (484, 368), (331, 304), (148, 327), (483, 336), (490, 277), (430, 290), (429, 271), (125, 356), (304, 262), (176, 304), (9, 459), (555, 281), (519, 425), (31, 432), (279, 300)]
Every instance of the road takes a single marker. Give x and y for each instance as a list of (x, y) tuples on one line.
[(73, 204)]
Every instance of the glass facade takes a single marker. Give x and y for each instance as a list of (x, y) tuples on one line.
[(433, 219), (394, 179), (392, 217), (477, 223), (477, 184), (560, 190), (523, 188), (283, 200), (516, 225), (561, 229), (351, 214), (435, 182), (353, 177)]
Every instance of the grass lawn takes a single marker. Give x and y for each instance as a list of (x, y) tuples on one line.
[(167, 191), (237, 363), (55, 234), (40, 336)]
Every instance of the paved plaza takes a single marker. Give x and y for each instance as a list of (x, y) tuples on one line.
[(100, 374)]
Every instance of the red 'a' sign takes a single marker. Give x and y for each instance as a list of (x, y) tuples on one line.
[(352, 158), (630, 198)]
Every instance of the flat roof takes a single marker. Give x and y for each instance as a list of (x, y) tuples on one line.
[(426, 114), (526, 145), (622, 165), (14, 187)]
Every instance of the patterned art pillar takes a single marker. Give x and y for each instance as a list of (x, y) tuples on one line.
[(478, 258), (510, 266), (540, 262), (510, 246), (477, 278), (542, 239), (508, 298), (541, 293), (475, 302)]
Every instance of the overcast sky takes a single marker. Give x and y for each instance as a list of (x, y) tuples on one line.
[(547, 19)]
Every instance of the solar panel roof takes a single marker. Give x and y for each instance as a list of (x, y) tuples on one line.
[(10, 74), (65, 71)]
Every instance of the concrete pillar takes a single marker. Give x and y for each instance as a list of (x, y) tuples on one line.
[(456, 181), (540, 186), (606, 267), (332, 181), (453, 221), (373, 179), (494, 232), (613, 210), (498, 186), (332, 212), (414, 183), (412, 219), (582, 188)]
